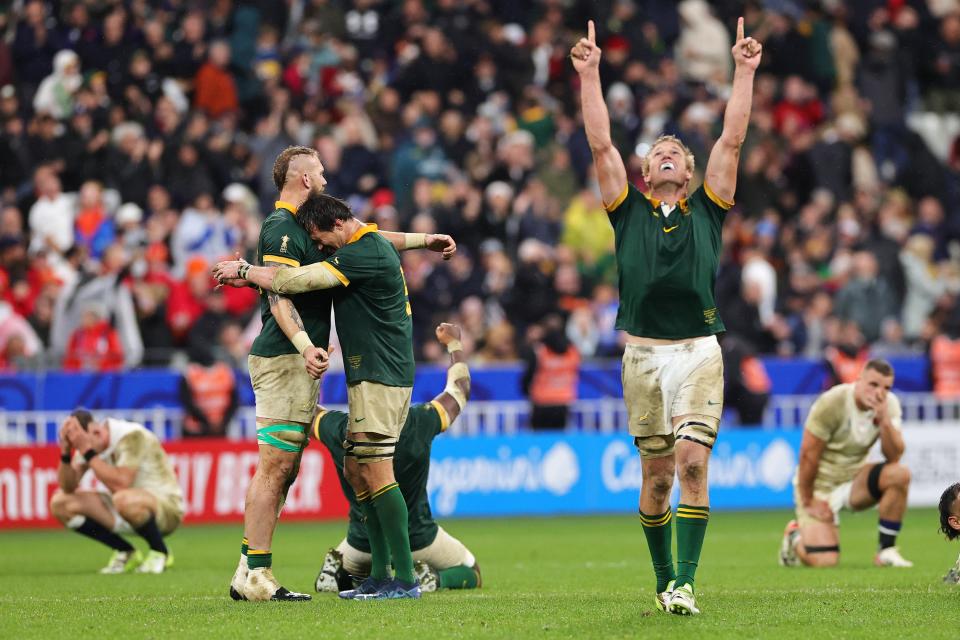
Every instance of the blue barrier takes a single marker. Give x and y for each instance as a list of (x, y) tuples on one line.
[(557, 474), (145, 388)]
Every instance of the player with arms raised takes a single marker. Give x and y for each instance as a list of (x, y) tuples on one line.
[(668, 249)]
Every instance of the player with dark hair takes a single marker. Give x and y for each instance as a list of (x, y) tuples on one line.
[(668, 245), (285, 365), (950, 525), (842, 427), (374, 323), (142, 496), (441, 561)]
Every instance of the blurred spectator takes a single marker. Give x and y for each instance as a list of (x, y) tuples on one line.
[(746, 385), (867, 299), (52, 215), (55, 94), (188, 298), (703, 50), (891, 343), (924, 286), (551, 376), (215, 91), (16, 330), (847, 355), (94, 230), (94, 345), (208, 395)]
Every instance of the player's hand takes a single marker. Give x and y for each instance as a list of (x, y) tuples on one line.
[(236, 283), (586, 54), (746, 51), (441, 243), (228, 270), (78, 438), (317, 361), (62, 435), (446, 333), (820, 510)]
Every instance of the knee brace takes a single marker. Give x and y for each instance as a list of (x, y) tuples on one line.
[(286, 437), (366, 452), (873, 480), (654, 446), (699, 429)]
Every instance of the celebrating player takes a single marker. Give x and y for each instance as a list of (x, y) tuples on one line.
[(667, 249), (950, 525), (142, 495), (843, 425), (376, 333), (285, 390), (442, 561)]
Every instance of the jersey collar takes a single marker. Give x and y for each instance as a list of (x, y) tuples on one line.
[(280, 204), (656, 202), (362, 231)]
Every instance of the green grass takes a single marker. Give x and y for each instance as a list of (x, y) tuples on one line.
[(543, 578)]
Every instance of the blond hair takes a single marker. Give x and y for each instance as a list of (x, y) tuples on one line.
[(687, 154)]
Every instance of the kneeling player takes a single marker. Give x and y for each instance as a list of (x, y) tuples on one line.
[(843, 425), (142, 496), (950, 525), (442, 561)]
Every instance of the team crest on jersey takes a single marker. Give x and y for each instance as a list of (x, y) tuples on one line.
[(283, 243), (355, 361)]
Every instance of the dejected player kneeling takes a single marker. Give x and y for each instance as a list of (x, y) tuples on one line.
[(143, 495), (442, 561), (842, 427)]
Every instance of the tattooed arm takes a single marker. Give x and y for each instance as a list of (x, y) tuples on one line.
[(290, 322)]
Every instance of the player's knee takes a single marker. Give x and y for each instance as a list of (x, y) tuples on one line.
[(693, 472), (661, 485), (898, 475), (61, 506), (125, 501)]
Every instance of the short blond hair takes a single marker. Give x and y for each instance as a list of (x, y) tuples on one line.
[(687, 154)]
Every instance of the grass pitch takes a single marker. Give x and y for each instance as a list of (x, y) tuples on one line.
[(543, 578)]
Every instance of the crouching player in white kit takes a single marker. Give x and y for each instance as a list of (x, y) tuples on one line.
[(843, 425), (142, 496), (441, 561)]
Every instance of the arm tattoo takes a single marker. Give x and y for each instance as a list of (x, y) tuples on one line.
[(295, 316)]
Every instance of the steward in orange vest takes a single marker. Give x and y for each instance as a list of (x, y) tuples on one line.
[(551, 379)]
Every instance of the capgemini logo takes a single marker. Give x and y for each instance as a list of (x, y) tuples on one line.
[(777, 464), (530, 471)]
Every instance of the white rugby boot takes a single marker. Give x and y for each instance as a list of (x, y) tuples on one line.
[(890, 557), (683, 602)]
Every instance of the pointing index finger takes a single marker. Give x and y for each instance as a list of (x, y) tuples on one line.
[(740, 29), (591, 33)]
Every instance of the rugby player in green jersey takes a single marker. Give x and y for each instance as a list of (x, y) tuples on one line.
[(376, 335), (285, 389), (668, 249), (441, 561)]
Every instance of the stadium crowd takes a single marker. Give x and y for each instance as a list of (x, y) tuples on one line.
[(137, 140)]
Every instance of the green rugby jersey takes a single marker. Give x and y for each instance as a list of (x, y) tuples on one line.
[(411, 464), (283, 240), (667, 265), (373, 311)]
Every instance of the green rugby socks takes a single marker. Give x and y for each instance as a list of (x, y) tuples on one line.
[(459, 577), (392, 510), (659, 533), (259, 559), (379, 548), (244, 546), (691, 528)]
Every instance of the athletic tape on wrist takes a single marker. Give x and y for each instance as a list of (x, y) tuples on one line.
[(243, 270), (454, 345), (415, 240), (301, 341)]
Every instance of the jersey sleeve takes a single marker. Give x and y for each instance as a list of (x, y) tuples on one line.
[(285, 242), (714, 204), (131, 450), (826, 414), (355, 262), (427, 420), (617, 208)]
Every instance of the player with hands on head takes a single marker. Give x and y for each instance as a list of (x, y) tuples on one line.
[(142, 493), (668, 244)]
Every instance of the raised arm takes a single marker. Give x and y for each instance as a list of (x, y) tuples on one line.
[(611, 172), (455, 395), (439, 242), (721, 175)]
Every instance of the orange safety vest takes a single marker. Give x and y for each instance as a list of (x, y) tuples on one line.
[(945, 358), (211, 388), (754, 374), (556, 378), (848, 368)]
